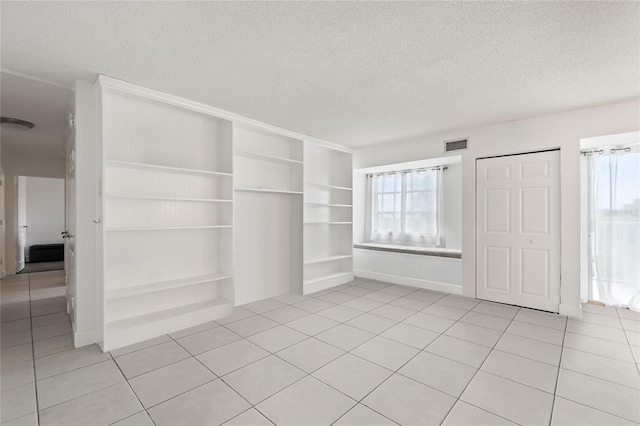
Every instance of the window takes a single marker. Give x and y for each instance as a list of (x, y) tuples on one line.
[(404, 207)]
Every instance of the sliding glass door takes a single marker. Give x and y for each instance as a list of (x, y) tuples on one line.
[(614, 226)]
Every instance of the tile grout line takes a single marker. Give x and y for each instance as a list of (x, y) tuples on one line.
[(555, 388), (479, 369), (33, 356), (132, 390)]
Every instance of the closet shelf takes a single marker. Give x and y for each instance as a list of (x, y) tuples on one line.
[(153, 198), (328, 259), (143, 166), (264, 157), (344, 188), (329, 205), (327, 277), (275, 191), (119, 293), (165, 228)]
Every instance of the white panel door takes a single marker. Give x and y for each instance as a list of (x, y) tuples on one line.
[(22, 223), (518, 226)]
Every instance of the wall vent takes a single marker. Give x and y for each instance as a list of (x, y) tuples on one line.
[(456, 145)]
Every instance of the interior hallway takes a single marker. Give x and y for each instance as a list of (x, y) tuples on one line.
[(366, 352)]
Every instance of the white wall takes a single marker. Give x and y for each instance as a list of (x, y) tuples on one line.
[(15, 165), (45, 210), (563, 130), (86, 315)]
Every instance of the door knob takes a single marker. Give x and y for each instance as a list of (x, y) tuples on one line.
[(532, 241)]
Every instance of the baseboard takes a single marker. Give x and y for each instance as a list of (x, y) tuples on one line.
[(84, 338), (320, 285), (412, 282), (573, 311)]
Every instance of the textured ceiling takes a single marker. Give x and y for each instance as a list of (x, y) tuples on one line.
[(355, 73), (45, 105)]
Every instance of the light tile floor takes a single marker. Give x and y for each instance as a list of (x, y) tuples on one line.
[(364, 353)]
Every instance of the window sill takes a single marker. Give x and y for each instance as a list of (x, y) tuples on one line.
[(423, 251)]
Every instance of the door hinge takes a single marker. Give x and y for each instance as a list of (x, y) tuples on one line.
[(72, 120), (99, 188), (1, 222)]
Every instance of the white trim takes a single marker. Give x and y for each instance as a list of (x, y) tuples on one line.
[(133, 89), (573, 311), (83, 338), (412, 282), (34, 78), (325, 283)]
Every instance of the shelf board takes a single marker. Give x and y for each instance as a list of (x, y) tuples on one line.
[(127, 331), (329, 205), (344, 188), (328, 223), (326, 277), (131, 164), (165, 228), (119, 293), (265, 157), (328, 259), (152, 198), (275, 191)]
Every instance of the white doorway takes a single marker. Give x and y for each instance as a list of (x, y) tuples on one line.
[(518, 230), (610, 170), (41, 222)]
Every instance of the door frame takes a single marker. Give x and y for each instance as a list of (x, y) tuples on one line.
[(475, 221)]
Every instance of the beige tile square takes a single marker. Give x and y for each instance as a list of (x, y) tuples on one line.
[(458, 350), (299, 404), (408, 402), (440, 373), (345, 337), (209, 339), (309, 355), (164, 383), (463, 414), (386, 353), (17, 402), (230, 357), (522, 370), (505, 398), (363, 416), (72, 384), (149, 359), (409, 335), (258, 381), (103, 407), (599, 394), (210, 404), (352, 376)]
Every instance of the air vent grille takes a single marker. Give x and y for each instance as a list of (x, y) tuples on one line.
[(456, 145)]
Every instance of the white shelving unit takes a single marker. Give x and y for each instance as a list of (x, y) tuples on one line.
[(328, 247), (167, 218), (267, 214)]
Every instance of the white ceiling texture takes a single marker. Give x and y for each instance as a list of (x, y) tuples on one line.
[(355, 73)]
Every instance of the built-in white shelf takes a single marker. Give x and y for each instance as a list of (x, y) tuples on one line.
[(272, 158), (127, 331), (342, 188), (130, 164), (166, 228), (329, 205), (119, 293), (328, 216), (275, 191), (328, 259), (330, 277), (153, 198)]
